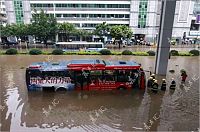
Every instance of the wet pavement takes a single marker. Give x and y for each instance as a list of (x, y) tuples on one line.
[(134, 110)]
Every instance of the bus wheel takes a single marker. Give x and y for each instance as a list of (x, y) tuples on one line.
[(121, 88), (61, 89)]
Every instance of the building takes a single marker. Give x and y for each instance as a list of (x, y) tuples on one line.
[(18, 11), (195, 24), (142, 16), (2, 12)]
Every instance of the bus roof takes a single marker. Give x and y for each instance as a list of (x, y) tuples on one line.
[(84, 64)]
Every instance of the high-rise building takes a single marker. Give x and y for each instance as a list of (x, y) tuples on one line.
[(195, 24), (143, 16), (2, 12)]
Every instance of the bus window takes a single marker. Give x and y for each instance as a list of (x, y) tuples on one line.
[(123, 76), (98, 46), (95, 76), (34, 73), (109, 75)]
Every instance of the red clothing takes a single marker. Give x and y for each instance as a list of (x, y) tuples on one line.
[(184, 76)]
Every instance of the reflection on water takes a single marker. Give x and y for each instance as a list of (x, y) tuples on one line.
[(95, 110)]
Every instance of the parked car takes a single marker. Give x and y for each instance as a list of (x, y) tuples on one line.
[(10, 43)]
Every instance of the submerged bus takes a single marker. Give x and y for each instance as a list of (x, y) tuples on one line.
[(85, 75)]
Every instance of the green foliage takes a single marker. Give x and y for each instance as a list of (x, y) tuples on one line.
[(43, 26), (35, 52), (89, 53), (57, 52), (194, 52), (151, 53), (184, 54), (127, 52), (121, 31), (19, 30), (82, 32), (11, 51), (174, 53), (102, 29), (140, 53), (67, 28), (105, 52), (70, 53)]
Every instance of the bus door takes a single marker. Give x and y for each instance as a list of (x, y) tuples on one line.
[(95, 78), (109, 80)]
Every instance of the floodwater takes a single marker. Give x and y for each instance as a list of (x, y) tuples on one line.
[(23, 111)]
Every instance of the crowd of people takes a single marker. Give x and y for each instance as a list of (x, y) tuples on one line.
[(152, 83)]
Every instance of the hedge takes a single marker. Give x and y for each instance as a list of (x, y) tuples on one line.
[(174, 53), (105, 52), (127, 52), (57, 52), (11, 51), (151, 53), (35, 52), (194, 52)]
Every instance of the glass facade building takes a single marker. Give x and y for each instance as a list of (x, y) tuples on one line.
[(18, 7), (142, 13)]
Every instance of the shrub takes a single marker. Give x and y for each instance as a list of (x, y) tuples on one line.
[(174, 53), (194, 52), (35, 52), (105, 52), (11, 51), (127, 52), (151, 53), (57, 52)]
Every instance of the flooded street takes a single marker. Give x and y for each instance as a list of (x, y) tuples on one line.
[(98, 111)]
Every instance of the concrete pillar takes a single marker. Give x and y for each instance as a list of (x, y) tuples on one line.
[(165, 33)]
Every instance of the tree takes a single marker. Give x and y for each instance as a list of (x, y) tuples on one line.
[(18, 30), (120, 32), (83, 33), (102, 30), (43, 26), (67, 28)]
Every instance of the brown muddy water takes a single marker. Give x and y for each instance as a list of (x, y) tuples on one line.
[(23, 111)]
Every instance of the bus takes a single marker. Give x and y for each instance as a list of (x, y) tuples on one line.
[(77, 45), (85, 75)]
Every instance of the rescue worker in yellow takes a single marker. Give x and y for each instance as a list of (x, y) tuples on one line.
[(150, 82), (163, 85), (155, 86), (173, 84)]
